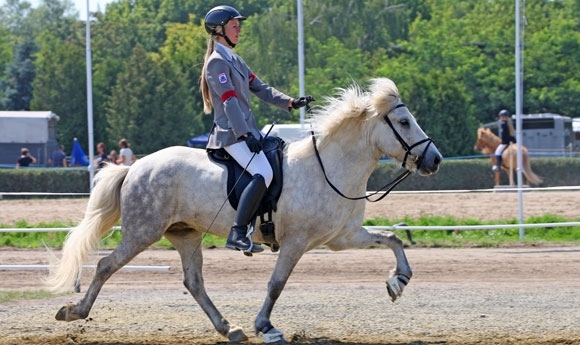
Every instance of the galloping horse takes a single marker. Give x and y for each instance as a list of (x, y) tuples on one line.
[(178, 193), (487, 142)]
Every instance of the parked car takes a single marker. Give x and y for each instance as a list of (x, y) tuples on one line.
[(288, 132)]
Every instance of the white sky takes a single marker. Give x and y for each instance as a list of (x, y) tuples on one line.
[(80, 5)]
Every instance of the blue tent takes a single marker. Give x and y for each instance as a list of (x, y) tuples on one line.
[(200, 141), (78, 156)]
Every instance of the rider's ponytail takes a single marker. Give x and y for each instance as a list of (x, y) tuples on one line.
[(207, 104)]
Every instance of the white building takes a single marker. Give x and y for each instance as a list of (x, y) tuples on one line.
[(35, 130)]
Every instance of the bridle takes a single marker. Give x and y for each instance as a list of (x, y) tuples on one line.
[(390, 186)]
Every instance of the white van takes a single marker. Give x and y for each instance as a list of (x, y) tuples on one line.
[(288, 132)]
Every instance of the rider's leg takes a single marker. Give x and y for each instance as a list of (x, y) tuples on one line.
[(498, 162), (249, 202), (498, 159), (257, 165)]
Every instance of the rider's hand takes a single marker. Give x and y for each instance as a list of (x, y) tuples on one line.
[(302, 101), (254, 144)]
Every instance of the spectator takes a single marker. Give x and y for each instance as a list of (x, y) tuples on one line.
[(113, 157), (58, 158), (25, 158), (102, 157), (126, 155)]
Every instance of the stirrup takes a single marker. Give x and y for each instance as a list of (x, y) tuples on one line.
[(253, 248)]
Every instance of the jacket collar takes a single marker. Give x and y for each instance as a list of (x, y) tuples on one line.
[(224, 51)]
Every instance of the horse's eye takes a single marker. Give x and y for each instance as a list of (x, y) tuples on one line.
[(404, 122)]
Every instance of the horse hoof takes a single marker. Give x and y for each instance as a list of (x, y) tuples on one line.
[(274, 336), (61, 314), (65, 314), (394, 288), (236, 334)]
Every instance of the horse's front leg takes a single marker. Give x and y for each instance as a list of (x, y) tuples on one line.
[(287, 260), (401, 275)]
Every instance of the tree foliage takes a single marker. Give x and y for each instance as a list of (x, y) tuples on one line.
[(150, 105), (17, 87), (453, 61)]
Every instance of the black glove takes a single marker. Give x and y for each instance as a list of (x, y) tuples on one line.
[(254, 144), (302, 101)]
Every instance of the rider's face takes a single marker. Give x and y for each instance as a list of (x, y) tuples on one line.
[(233, 29)]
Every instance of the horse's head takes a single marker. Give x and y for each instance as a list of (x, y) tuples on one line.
[(479, 144), (486, 141), (396, 132)]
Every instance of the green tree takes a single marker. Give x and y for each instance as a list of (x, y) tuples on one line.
[(60, 86), (6, 43), (185, 48), (150, 105), (17, 87), (551, 59)]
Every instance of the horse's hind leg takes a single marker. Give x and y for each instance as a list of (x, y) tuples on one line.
[(188, 244), (107, 266), (401, 275)]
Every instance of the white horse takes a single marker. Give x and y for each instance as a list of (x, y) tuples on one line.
[(178, 193)]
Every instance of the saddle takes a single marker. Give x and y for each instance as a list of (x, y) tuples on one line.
[(238, 179)]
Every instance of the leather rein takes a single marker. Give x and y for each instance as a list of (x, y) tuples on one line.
[(389, 186)]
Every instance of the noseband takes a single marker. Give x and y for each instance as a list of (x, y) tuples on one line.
[(418, 160)]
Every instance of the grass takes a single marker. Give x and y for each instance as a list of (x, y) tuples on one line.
[(484, 238), (423, 238), (56, 239), (7, 296)]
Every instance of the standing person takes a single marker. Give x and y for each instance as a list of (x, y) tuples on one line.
[(126, 156), (113, 157), (58, 158), (25, 158), (102, 156), (226, 85), (507, 135)]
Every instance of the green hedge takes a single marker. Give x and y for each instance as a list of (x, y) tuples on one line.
[(477, 174), (453, 175), (50, 180)]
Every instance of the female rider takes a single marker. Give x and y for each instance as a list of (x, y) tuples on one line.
[(226, 84)]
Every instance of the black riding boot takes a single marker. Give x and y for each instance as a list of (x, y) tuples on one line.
[(247, 207), (497, 166)]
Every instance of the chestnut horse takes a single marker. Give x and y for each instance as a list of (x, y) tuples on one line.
[(487, 142)]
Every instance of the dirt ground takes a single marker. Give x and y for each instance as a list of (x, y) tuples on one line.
[(500, 296)]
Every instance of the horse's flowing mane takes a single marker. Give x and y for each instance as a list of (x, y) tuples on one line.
[(488, 138), (352, 109)]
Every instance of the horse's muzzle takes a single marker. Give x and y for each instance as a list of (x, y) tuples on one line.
[(429, 161)]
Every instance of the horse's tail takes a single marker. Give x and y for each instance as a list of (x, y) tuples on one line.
[(530, 175), (103, 212)]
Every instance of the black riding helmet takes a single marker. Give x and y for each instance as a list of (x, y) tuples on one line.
[(220, 16), (503, 113)]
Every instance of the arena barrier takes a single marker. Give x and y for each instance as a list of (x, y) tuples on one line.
[(44, 267), (400, 226)]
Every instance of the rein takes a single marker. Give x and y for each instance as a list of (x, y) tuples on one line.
[(389, 186)]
